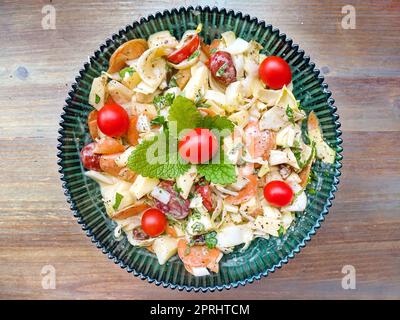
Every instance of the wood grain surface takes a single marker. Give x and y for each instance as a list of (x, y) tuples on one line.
[(362, 68)]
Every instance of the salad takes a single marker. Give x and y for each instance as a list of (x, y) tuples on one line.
[(199, 148)]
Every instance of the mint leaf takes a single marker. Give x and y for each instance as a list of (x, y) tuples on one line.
[(118, 199), (217, 122), (220, 173), (159, 163), (184, 113)]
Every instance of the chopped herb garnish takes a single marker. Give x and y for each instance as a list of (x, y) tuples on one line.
[(213, 50), (97, 99), (221, 71), (195, 215), (172, 83), (312, 191), (290, 115), (171, 221), (127, 70), (164, 101), (198, 227), (203, 105), (281, 231), (177, 189), (194, 55), (118, 199), (211, 239)]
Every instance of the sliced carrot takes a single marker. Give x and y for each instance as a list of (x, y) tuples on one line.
[(131, 211), (259, 143), (150, 248), (312, 122), (246, 193), (198, 256), (304, 174), (92, 124), (207, 111), (127, 51), (171, 231), (108, 146), (208, 48), (132, 136), (108, 165)]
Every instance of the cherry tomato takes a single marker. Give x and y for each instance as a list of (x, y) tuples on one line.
[(112, 119), (190, 46), (222, 67), (198, 146), (90, 160), (275, 72), (278, 193), (205, 193), (154, 222)]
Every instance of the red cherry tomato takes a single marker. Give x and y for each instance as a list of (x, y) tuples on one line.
[(205, 193), (278, 193), (198, 146), (190, 46), (222, 67), (154, 222), (90, 160), (275, 72), (112, 119)]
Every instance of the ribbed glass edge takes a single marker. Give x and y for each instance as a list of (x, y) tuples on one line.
[(337, 165)]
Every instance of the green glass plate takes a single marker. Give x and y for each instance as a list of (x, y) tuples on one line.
[(238, 268)]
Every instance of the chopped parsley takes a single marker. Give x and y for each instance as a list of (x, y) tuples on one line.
[(177, 189), (290, 115), (97, 98), (172, 82), (118, 199), (213, 50), (281, 231), (221, 71), (127, 70), (164, 101), (312, 191), (211, 239), (196, 215), (198, 227), (194, 55)]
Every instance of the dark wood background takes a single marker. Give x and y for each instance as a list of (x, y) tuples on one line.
[(362, 68)]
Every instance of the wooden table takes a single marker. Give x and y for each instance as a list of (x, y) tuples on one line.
[(362, 68)]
